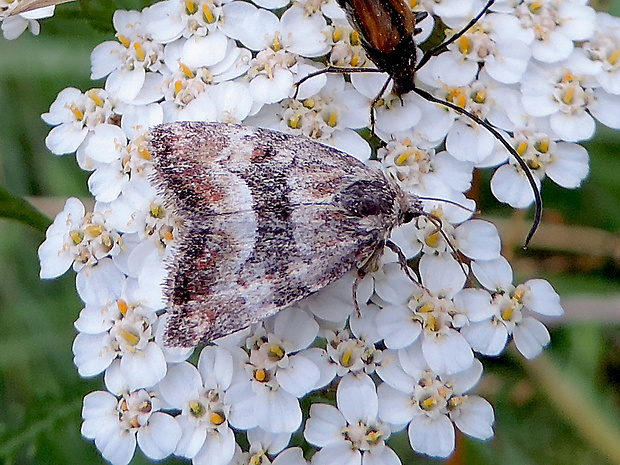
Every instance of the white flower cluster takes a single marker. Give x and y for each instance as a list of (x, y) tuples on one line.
[(540, 71), (15, 23)]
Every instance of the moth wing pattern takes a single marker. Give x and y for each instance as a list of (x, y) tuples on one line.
[(268, 219)]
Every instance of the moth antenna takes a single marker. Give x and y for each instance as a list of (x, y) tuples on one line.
[(526, 169), (451, 202), (439, 228), (435, 50)]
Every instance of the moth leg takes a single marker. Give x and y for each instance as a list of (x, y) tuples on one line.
[(358, 279), (402, 261), (333, 69), (439, 229)]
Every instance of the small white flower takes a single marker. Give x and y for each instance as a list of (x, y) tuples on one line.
[(351, 433), (126, 62), (199, 394), (119, 330), (429, 403), (556, 26), (73, 114), (76, 239), (115, 424), (13, 25), (510, 317), (329, 116), (277, 373)]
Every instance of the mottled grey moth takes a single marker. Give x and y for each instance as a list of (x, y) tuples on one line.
[(268, 219)]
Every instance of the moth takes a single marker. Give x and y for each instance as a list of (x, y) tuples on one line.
[(268, 219)]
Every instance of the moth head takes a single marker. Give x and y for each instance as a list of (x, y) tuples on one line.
[(412, 208)]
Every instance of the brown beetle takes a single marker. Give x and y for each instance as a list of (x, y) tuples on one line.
[(387, 30)]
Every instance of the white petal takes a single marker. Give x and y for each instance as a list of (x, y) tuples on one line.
[(324, 427), (341, 453), (92, 353), (469, 143), (299, 377), (393, 285), (467, 379), (478, 240), (204, 51), (570, 167), (193, 437), (393, 374), (181, 384), (530, 337), (573, 127), (475, 418), (278, 411), (475, 303), (493, 274), (510, 63), (116, 445), (125, 84), (296, 329), (605, 108), (216, 367), (555, 47), (269, 442), (159, 438), (395, 407), (304, 34), (442, 274), (333, 303), (356, 397), (448, 352), (509, 185), (432, 436), (380, 456), (114, 380), (242, 401), (93, 320), (397, 327), (413, 362), (99, 284), (542, 298), (144, 368), (327, 369), (97, 404), (54, 259), (105, 144), (219, 448), (65, 138), (452, 72), (291, 456), (14, 26), (486, 337), (272, 89)]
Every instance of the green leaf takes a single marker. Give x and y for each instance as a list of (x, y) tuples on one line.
[(18, 209)]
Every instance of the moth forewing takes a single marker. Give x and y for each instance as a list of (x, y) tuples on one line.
[(268, 219)]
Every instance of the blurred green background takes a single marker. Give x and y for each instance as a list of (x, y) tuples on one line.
[(563, 408)]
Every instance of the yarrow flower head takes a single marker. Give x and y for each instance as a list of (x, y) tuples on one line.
[(401, 351), (17, 16)]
